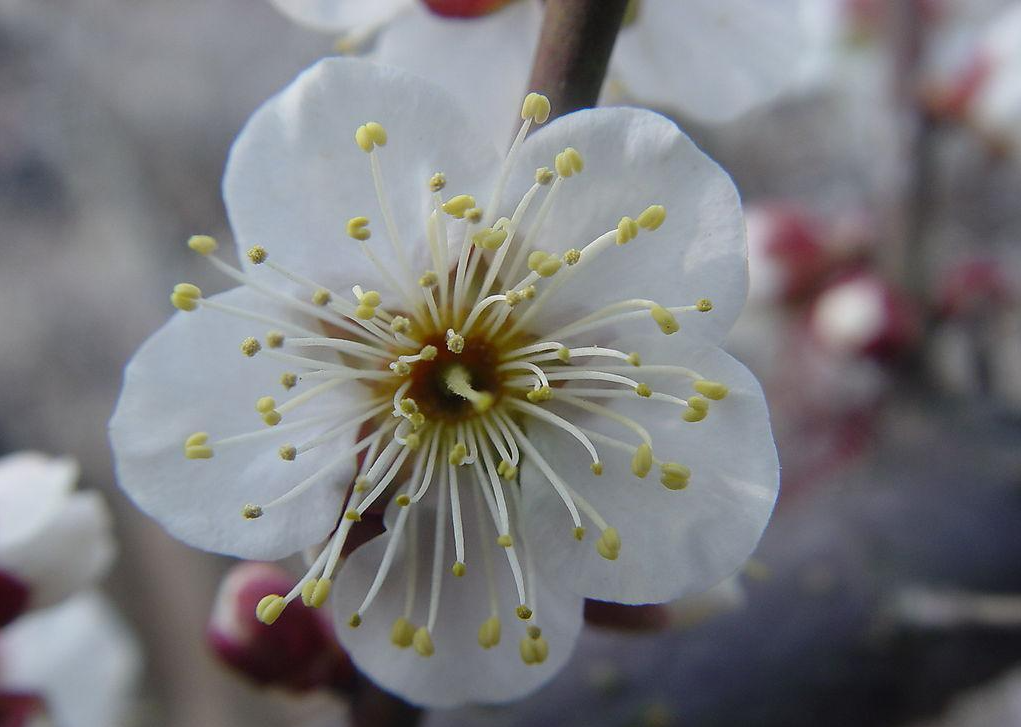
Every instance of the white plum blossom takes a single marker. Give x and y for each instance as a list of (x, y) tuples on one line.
[(74, 665), (53, 540), (516, 355), (710, 60)]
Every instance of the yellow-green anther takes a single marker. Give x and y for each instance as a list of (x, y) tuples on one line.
[(641, 462), (544, 175), (250, 347), (533, 650), (428, 353), (504, 541), (674, 476), (698, 403), (455, 342), (321, 297), (423, 642), (269, 608), (358, 228), (429, 279), (403, 500), (711, 389), (355, 621), (321, 592), (185, 296), (400, 324), (652, 217), (437, 182), (306, 591), (413, 441), (417, 419), (608, 545), (457, 454), (265, 404), (365, 312), (536, 396), (457, 206), (408, 406), (371, 298), (489, 239), (579, 533), (634, 359), (202, 244), (353, 516), (272, 418), (489, 633), (506, 470), (195, 446), (704, 305), (458, 569), (643, 390), (288, 380), (627, 230), (257, 254), (251, 512), (370, 135), (288, 453), (275, 339), (536, 258), (535, 107), (524, 612), (664, 319), (569, 162), (694, 415), (474, 215), (549, 267), (402, 633), (597, 468), (564, 354)]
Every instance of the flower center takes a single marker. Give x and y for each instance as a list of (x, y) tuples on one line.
[(456, 387)]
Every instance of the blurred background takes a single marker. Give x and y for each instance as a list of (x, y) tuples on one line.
[(884, 322)]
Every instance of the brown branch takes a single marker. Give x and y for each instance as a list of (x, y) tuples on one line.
[(574, 51)]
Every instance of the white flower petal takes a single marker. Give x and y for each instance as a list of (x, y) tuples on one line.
[(295, 175), (711, 59), (190, 376), (483, 61), (72, 549), (79, 656), (339, 15), (633, 159), (33, 488), (673, 543), (460, 670)]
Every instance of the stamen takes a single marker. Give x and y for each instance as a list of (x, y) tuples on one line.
[(455, 514), (385, 565), (430, 464), (558, 421)]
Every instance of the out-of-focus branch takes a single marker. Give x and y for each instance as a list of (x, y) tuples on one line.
[(574, 51)]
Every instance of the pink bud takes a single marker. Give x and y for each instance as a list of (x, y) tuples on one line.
[(464, 8), (18, 709), (299, 651), (973, 286), (787, 260), (13, 600), (863, 316)]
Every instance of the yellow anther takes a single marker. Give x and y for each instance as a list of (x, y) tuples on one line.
[(457, 454), (536, 258), (458, 569), (429, 279), (533, 650), (512, 297), (401, 368), (455, 342), (698, 403), (457, 206), (505, 541), (643, 390), (417, 419), (634, 359), (423, 642), (694, 415), (664, 319), (704, 305), (674, 476), (362, 483), (269, 608), (321, 297), (569, 162), (711, 389), (572, 256), (528, 292), (257, 254), (627, 230), (353, 516), (358, 228), (533, 631), (320, 593), (402, 633), (413, 441), (608, 545), (428, 353), (408, 406), (549, 267), (195, 446), (489, 633), (365, 312), (251, 512), (544, 175), (272, 418), (437, 182), (506, 470), (564, 354), (265, 404), (250, 347), (288, 380), (474, 215), (306, 591), (400, 324), (275, 339), (355, 621), (641, 462), (370, 135), (537, 396), (489, 239), (202, 244), (597, 468), (652, 217), (524, 612), (483, 402), (371, 298), (287, 453), (403, 500), (185, 296), (535, 107), (579, 533)]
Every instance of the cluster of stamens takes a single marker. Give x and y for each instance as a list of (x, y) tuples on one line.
[(455, 372)]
